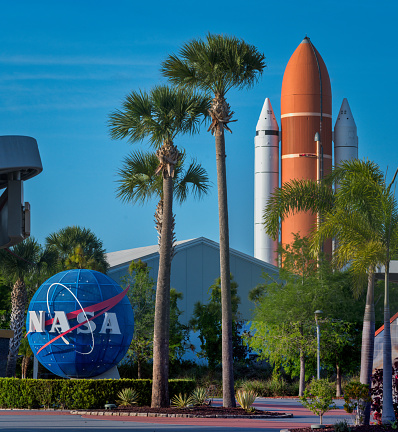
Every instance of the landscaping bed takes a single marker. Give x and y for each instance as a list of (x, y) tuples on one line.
[(200, 411)]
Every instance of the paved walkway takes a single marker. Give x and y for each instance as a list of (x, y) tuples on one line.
[(63, 421)]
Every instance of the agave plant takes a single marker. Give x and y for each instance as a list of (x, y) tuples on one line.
[(182, 401), (127, 396), (200, 396), (245, 399)]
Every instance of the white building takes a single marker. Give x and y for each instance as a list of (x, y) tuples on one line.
[(195, 266)]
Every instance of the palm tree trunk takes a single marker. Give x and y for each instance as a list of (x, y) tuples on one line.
[(302, 373), (139, 375), (160, 387), (368, 335), (158, 226), (25, 365), (18, 304), (226, 309), (338, 380), (388, 414)]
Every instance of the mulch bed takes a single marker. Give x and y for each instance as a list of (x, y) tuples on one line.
[(200, 411)]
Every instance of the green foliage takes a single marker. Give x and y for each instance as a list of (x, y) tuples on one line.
[(142, 296), (127, 396), (179, 333), (245, 399), (199, 396), (206, 319), (77, 247), (342, 426), (5, 304), (159, 115), (138, 181), (215, 64), (77, 394), (318, 398), (181, 400), (356, 396), (284, 325), (78, 259)]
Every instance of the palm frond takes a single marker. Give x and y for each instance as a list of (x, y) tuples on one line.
[(137, 180), (158, 115), (195, 178), (295, 196), (215, 65)]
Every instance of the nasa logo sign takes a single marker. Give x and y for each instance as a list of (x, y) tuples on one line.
[(80, 323)]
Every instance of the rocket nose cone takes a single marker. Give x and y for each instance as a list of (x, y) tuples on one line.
[(345, 117), (267, 120)]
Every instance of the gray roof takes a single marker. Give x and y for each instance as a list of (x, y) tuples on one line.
[(124, 257)]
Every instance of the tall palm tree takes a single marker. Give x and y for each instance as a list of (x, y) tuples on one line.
[(138, 183), (24, 261), (160, 115), (78, 247), (365, 222), (362, 215), (215, 66)]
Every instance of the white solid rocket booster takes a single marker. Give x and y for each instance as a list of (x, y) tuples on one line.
[(345, 135), (266, 179)]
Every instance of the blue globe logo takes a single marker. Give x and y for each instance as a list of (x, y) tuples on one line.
[(80, 323)]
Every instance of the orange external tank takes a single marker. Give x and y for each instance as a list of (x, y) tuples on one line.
[(306, 108)]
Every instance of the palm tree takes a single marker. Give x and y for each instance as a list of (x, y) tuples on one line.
[(24, 261), (215, 66), (362, 215), (138, 183), (365, 222), (78, 248), (160, 115)]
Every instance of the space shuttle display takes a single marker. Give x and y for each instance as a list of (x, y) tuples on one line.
[(306, 110)]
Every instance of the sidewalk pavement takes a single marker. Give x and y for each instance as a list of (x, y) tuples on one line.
[(63, 421)]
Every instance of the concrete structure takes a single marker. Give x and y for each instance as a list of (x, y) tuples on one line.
[(5, 336), (19, 161), (195, 267), (306, 141)]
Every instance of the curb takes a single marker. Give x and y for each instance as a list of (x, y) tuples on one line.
[(149, 414)]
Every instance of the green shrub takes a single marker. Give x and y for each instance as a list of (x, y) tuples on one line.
[(356, 396), (318, 398), (246, 399), (79, 393), (342, 426), (199, 396), (127, 396), (181, 401)]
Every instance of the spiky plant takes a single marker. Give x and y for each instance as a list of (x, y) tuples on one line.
[(127, 396), (199, 396), (245, 399), (182, 401)]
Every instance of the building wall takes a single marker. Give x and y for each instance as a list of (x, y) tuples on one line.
[(378, 348), (196, 266)]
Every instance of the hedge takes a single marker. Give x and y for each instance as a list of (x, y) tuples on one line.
[(78, 393)]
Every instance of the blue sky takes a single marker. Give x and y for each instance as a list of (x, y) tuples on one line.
[(65, 65)]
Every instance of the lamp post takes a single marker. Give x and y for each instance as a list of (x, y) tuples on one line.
[(318, 339)]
